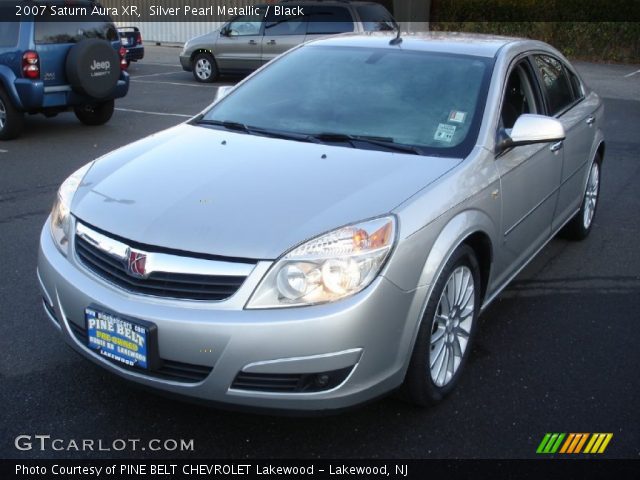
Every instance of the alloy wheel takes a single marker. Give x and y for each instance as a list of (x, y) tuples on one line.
[(591, 195), (451, 328), (3, 115), (203, 69)]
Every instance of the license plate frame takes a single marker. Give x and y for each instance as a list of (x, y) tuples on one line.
[(127, 342)]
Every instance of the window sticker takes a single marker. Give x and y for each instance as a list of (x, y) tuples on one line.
[(457, 117), (444, 133)]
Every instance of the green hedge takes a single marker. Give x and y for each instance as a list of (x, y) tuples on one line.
[(605, 40)]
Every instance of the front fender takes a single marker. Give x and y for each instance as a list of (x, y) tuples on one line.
[(439, 240), (454, 233)]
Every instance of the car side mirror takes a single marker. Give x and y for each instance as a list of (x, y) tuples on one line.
[(224, 31), (222, 92), (530, 129)]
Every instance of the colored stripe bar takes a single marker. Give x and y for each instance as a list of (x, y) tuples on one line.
[(567, 443), (606, 441), (592, 440), (599, 440), (574, 444), (555, 447), (581, 443), (543, 443), (551, 443)]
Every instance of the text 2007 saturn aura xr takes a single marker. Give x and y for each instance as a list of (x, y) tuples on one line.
[(330, 230)]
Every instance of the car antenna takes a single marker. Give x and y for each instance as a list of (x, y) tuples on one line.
[(397, 40)]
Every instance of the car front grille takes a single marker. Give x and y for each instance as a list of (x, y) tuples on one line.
[(113, 268), (169, 370)]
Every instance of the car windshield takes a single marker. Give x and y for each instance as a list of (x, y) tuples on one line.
[(430, 101)]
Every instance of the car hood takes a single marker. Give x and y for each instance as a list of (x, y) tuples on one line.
[(217, 192)]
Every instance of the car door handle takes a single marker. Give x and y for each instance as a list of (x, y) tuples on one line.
[(252, 42), (555, 147), (271, 42), (590, 120)]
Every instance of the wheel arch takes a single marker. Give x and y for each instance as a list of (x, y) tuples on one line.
[(600, 149), (481, 244), (471, 227), (198, 51), (7, 77)]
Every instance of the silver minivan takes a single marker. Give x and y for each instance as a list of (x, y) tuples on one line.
[(247, 42)]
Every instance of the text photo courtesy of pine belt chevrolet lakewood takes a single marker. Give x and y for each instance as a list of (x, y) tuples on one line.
[(329, 230)]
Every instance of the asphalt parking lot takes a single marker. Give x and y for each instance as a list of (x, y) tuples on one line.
[(557, 352)]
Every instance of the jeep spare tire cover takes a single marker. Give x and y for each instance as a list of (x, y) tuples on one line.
[(93, 68)]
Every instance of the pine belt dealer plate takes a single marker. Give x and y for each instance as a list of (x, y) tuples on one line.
[(121, 340)]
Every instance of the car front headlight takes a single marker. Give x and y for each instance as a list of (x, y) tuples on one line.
[(61, 212), (329, 267)]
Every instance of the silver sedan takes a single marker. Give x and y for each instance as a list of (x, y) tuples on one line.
[(330, 229)]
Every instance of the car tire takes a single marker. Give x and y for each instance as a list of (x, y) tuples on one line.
[(205, 69), (93, 68), (11, 119), (446, 334), (581, 224), (95, 114)]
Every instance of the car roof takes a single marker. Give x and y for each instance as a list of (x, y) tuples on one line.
[(444, 42)]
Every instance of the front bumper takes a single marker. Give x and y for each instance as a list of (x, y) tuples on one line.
[(370, 334), (185, 61)]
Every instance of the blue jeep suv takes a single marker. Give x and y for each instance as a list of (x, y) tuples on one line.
[(50, 66)]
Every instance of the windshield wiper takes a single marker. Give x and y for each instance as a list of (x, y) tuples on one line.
[(385, 142), (241, 127)]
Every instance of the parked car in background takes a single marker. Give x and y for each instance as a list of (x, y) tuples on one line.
[(247, 42), (51, 66), (132, 42), (331, 229)]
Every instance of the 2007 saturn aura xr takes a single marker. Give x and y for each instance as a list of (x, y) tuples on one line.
[(330, 230)]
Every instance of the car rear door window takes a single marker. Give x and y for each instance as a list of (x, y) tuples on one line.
[(276, 25), (55, 32), (8, 34), (375, 18), (555, 82), (329, 20), (578, 91)]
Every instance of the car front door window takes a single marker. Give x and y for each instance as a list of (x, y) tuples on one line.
[(245, 26)]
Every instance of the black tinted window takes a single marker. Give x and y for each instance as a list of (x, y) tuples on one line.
[(73, 32), (375, 18), (285, 25), (578, 92), (8, 34), (327, 20), (555, 82)]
